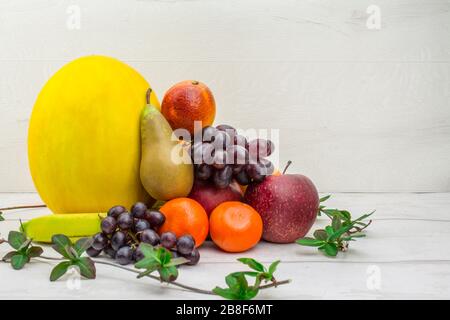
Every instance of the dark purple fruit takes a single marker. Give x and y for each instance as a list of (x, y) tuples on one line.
[(141, 225), (118, 240), (149, 236), (168, 240), (193, 257), (242, 178), (221, 140), (239, 140), (138, 210), (92, 252), (260, 148), (116, 211), (222, 178), (208, 134), (220, 159), (100, 241), (138, 254), (185, 244), (208, 153), (125, 221), (228, 129), (255, 172), (266, 166), (155, 218), (124, 255), (203, 171), (238, 155), (108, 225), (109, 251)]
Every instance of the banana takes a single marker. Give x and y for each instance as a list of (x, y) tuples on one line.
[(74, 226)]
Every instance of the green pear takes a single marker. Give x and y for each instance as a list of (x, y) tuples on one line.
[(166, 168)]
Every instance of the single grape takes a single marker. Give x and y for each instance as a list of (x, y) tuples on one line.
[(197, 152), (254, 171), (141, 225), (193, 257), (138, 210), (220, 159), (100, 241), (221, 140), (208, 153), (138, 254), (228, 129), (155, 217), (242, 178), (237, 168), (208, 134), (240, 140), (222, 178), (116, 211), (260, 148), (175, 254), (203, 171), (109, 251), (149, 236), (266, 166), (92, 252), (168, 240), (125, 221), (185, 245), (238, 155), (118, 240), (124, 255), (108, 225)]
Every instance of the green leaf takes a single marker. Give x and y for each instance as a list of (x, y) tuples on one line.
[(253, 264), (148, 251), (177, 261), (365, 216), (16, 238), (62, 245), (34, 252), (336, 223), (82, 245), (59, 270), (273, 267), (320, 234), (345, 215), (168, 274), (87, 267), (338, 233), (329, 230), (226, 293), (231, 280), (250, 293), (149, 270), (311, 242), (19, 260), (330, 249), (164, 256), (24, 246), (8, 256), (247, 273), (325, 198), (1, 216), (146, 263)]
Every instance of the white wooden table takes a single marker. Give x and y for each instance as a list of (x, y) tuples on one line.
[(406, 255)]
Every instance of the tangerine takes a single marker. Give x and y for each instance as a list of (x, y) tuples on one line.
[(235, 226), (185, 216)]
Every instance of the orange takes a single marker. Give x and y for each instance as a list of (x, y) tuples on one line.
[(185, 216), (186, 102), (235, 226)]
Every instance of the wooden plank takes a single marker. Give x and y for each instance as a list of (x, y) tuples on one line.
[(252, 30), (373, 117)]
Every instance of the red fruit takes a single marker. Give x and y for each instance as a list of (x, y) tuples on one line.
[(210, 196), (287, 204)]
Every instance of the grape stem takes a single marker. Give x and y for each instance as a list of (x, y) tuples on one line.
[(177, 284), (24, 207)]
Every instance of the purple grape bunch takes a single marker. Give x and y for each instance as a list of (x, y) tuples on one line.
[(221, 155), (123, 231)]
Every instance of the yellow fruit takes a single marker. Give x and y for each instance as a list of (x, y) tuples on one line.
[(74, 225), (84, 137)]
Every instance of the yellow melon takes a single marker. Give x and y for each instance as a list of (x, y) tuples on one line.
[(84, 136)]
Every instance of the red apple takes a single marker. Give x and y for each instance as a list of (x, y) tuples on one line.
[(288, 206), (210, 196)]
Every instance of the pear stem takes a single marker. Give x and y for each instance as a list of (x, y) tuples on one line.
[(147, 95), (287, 166)]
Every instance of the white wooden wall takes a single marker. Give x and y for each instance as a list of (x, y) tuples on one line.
[(357, 109)]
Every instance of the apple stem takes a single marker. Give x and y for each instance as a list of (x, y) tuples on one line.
[(287, 166), (147, 95)]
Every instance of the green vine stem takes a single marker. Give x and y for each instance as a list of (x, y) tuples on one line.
[(177, 284), (23, 207)]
